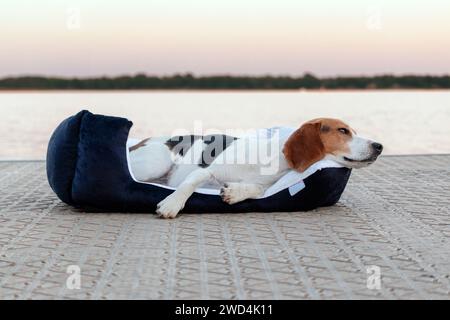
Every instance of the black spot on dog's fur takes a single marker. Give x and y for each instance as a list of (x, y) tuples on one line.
[(215, 145), (181, 144)]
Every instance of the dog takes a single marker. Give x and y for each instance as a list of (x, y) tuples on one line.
[(191, 161)]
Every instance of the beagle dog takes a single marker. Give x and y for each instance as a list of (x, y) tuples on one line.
[(188, 162)]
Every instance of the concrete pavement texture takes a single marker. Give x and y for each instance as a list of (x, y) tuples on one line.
[(387, 238)]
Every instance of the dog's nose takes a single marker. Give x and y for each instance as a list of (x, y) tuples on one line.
[(378, 147)]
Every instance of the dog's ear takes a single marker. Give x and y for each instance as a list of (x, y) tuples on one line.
[(304, 146)]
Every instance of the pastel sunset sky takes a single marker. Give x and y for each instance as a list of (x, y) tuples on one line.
[(325, 37)]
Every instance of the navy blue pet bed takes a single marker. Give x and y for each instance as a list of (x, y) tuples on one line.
[(87, 167)]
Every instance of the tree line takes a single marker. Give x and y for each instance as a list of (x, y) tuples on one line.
[(190, 81)]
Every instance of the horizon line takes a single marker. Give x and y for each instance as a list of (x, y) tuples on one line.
[(231, 75)]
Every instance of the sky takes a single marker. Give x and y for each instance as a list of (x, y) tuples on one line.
[(283, 37)]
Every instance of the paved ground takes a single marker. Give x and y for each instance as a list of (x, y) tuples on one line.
[(394, 215)]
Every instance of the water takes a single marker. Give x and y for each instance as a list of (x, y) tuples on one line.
[(406, 122)]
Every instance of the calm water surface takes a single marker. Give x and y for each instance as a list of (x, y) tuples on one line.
[(406, 122)]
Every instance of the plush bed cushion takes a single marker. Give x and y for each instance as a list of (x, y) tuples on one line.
[(62, 156)]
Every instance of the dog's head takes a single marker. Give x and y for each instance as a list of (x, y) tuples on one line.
[(331, 139)]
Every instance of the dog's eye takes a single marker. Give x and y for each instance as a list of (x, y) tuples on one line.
[(344, 130)]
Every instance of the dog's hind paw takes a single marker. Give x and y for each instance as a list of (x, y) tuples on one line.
[(169, 207)]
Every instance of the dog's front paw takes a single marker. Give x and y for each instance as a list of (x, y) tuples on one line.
[(229, 194), (169, 207)]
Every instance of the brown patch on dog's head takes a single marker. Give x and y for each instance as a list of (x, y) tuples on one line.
[(315, 139)]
